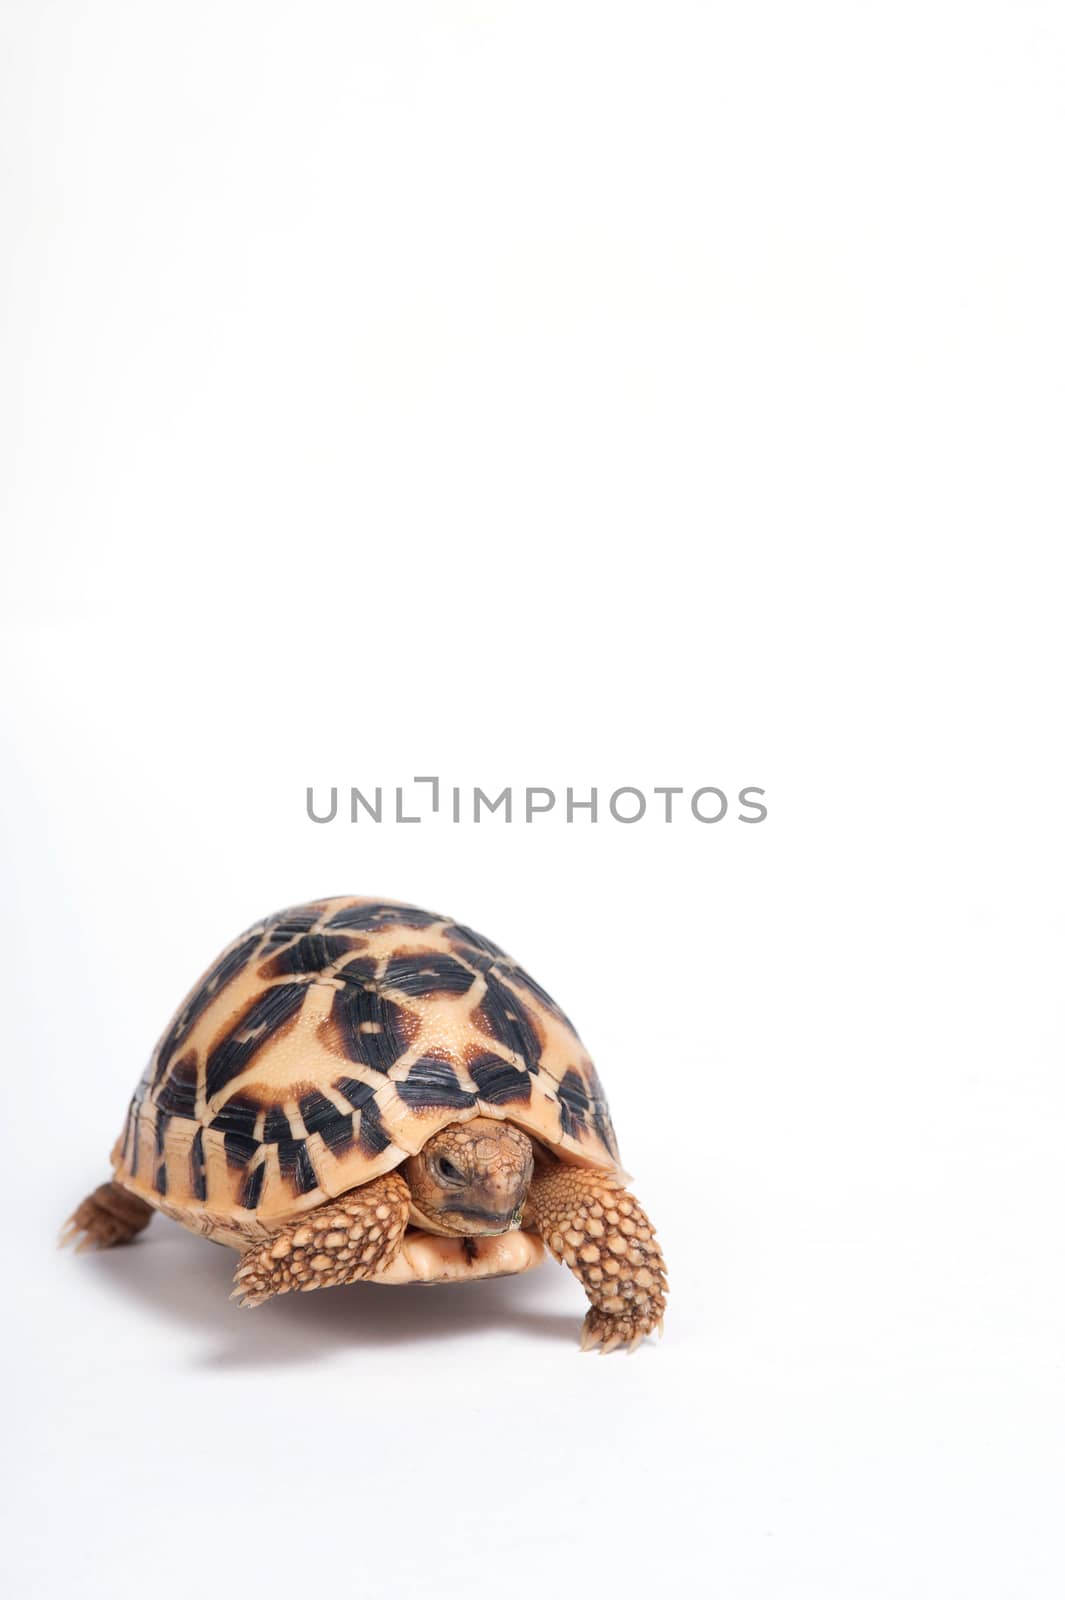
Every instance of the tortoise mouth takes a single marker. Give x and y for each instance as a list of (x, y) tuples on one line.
[(487, 1222)]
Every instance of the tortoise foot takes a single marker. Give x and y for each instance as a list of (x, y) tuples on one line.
[(603, 1234), (339, 1242), (108, 1216)]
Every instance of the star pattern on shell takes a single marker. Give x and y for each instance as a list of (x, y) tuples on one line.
[(331, 1040)]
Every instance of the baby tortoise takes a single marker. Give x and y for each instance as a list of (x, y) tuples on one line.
[(358, 1089)]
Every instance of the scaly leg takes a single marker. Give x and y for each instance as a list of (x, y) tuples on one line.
[(338, 1242), (110, 1215), (601, 1232)]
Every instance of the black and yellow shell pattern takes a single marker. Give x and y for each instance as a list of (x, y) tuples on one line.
[(328, 1043)]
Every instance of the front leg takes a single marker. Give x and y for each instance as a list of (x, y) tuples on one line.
[(601, 1232), (339, 1242)]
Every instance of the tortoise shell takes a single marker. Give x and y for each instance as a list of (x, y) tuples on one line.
[(332, 1040)]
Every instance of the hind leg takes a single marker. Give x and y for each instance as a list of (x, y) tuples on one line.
[(110, 1215)]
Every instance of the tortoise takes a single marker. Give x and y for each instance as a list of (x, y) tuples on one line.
[(360, 1089)]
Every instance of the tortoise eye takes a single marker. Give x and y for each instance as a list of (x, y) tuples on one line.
[(448, 1170)]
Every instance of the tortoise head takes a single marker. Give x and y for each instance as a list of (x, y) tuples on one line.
[(470, 1178)]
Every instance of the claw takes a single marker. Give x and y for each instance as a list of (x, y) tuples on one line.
[(247, 1294), (590, 1336), (72, 1231)]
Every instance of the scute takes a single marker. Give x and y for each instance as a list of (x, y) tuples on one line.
[(329, 1042)]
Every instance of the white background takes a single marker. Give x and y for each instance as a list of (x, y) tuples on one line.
[(559, 394)]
